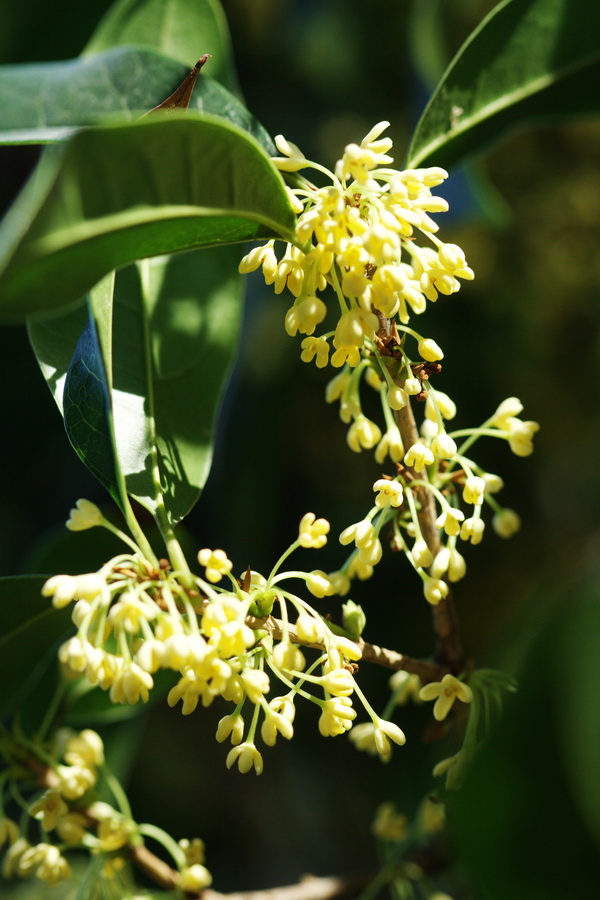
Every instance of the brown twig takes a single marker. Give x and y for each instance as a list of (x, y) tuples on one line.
[(308, 888), (380, 656), (448, 651)]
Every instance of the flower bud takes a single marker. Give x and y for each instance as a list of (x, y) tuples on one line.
[(353, 618)]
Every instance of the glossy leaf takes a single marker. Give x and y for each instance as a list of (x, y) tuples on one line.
[(53, 338), (181, 29), (175, 336), (30, 629), (87, 410), (174, 340), (128, 192), (44, 102), (529, 61)]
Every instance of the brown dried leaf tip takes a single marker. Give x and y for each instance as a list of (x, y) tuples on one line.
[(181, 96)]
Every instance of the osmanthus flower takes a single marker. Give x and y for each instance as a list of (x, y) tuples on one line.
[(194, 878), (216, 564), (85, 515), (336, 717), (48, 809), (313, 532), (445, 692), (47, 861), (247, 757), (405, 687), (374, 737), (389, 493), (454, 768), (361, 234), (506, 522), (194, 850), (389, 824)]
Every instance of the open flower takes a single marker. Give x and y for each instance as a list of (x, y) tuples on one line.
[(216, 564), (445, 692), (247, 757), (313, 532)]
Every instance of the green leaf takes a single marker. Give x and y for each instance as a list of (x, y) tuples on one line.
[(176, 322), (529, 61), (174, 335), (30, 628), (44, 102), (181, 29), (90, 705), (53, 338), (535, 785), (127, 192), (87, 410)]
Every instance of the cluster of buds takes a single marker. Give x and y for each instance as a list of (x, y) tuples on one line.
[(67, 816), (134, 617), (436, 470), (358, 242)]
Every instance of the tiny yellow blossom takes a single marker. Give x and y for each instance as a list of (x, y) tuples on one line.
[(313, 532), (363, 434), (247, 757), (389, 824), (434, 590), (445, 692), (506, 522), (389, 493), (84, 515), (194, 878), (194, 850), (216, 564), (48, 809), (418, 456)]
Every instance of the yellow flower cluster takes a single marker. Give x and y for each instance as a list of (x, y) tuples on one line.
[(358, 241), (438, 469), (134, 618), (359, 235), (69, 809)]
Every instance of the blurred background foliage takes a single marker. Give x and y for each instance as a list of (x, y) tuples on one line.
[(528, 217)]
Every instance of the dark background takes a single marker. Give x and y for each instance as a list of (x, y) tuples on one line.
[(323, 73)]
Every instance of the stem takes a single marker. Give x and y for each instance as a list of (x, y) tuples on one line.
[(174, 551), (137, 533), (52, 709), (448, 649), (118, 793), (371, 653), (171, 846)]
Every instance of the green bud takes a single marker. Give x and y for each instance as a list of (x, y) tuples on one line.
[(262, 605), (353, 618)]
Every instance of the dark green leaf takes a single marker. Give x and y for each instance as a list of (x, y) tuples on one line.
[(87, 410), (90, 705), (181, 29), (527, 819), (44, 102), (175, 334), (53, 338), (529, 61), (128, 192), (29, 632)]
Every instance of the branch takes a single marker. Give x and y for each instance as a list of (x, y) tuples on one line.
[(448, 649), (380, 656), (308, 888)]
